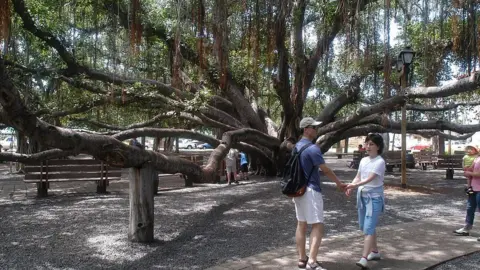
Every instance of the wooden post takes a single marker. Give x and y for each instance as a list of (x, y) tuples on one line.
[(404, 129), (156, 182), (102, 184), (345, 150), (339, 150), (140, 227), (42, 186)]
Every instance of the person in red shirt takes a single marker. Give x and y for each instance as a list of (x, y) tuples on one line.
[(361, 148)]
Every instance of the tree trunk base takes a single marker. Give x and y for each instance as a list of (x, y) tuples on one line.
[(140, 228), (209, 176)]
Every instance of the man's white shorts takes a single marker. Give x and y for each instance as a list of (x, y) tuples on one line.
[(309, 207), (231, 168)]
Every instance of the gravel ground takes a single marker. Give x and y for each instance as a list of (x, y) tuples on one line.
[(195, 228), (469, 262)]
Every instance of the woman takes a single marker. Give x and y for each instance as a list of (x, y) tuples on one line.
[(370, 197), (473, 200)]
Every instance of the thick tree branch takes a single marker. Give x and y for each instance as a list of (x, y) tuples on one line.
[(365, 129), (154, 120), (34, 158), (421, 125), (349, 94), (468, 84), (330, 139), (164, 133), (424, 108), (252, 136), (353, 119)]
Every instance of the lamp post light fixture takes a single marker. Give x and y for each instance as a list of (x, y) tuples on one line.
[(405, 58), (407, 55)]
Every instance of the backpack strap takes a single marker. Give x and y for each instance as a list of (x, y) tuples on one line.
[(300, 159), (303, 148)]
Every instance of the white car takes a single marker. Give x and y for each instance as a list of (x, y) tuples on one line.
[(456, 146), (8, 143), (186, 144)]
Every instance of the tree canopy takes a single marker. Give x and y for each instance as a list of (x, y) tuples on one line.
[(244, 70)]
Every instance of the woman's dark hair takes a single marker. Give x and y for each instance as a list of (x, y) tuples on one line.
[(376, 139)]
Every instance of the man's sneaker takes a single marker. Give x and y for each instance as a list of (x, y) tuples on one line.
[(362, 263), (373, 256), (462, 231), (315, 266)]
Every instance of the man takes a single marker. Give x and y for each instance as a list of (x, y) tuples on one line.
[(231, 164), (309, 207)]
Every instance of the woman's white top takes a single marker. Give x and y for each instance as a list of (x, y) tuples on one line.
[(372, 165)]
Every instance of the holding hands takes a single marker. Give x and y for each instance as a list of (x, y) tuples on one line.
[(342, 186), (349, 189)]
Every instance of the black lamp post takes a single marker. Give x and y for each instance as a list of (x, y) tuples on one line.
[(405, 58)]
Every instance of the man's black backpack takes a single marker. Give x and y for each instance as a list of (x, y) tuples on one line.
[(294, 183)]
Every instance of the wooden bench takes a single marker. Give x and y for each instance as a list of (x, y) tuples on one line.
[(357, 156), (67, 170), (425, 159), (341, 155), (450, 163), (394, 159)]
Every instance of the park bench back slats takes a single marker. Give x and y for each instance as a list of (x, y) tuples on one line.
[(71, 176), (68, 170), (450, 163), (426, 158), (392, 159), (67, 162), (357, 156)]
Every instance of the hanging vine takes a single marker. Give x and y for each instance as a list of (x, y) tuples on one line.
[(135, 26), (177, 58), (388, 66), (4, 19), (221, 40), (201, 34)]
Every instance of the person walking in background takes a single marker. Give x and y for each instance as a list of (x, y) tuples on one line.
[(309, 206), (243, 166), (467, 164), (231, 164), (473, 200), (370, 196)]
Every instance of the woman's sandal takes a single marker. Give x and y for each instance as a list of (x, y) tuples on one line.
[(302, 263)]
